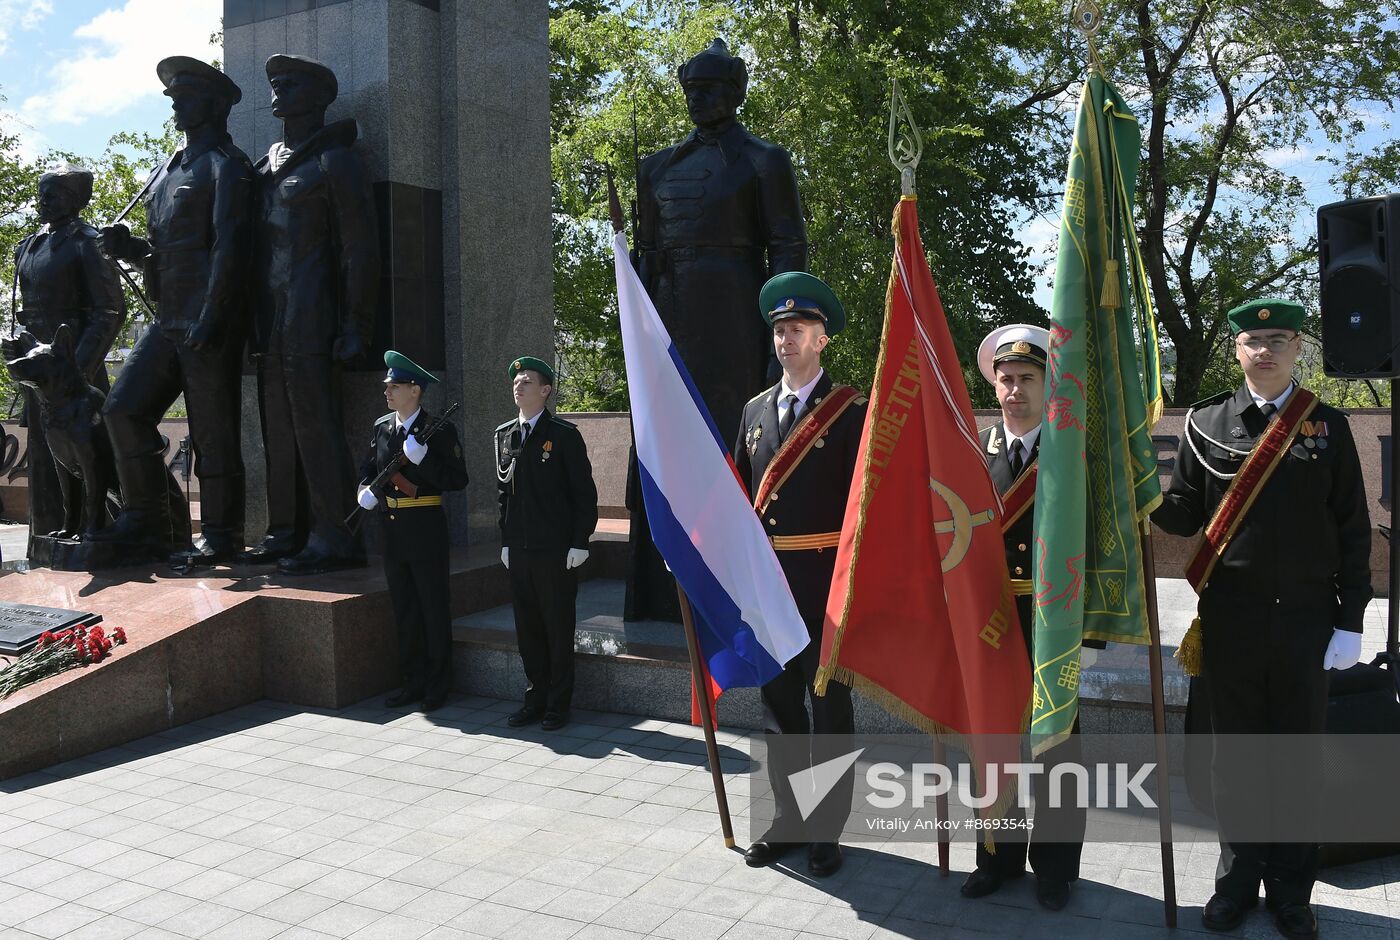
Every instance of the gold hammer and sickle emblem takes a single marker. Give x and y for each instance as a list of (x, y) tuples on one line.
[(961, 525)]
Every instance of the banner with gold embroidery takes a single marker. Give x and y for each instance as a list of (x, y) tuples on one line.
[(1098, 465)]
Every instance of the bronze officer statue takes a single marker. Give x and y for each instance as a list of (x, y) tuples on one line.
[(62, 277), (196, 260), (718, 214), (318, 281)]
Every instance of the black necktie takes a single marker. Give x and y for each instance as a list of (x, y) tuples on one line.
[(785, 422), (1018, 462), (1267, 410)]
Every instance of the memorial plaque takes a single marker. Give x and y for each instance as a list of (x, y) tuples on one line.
[(21, 624)]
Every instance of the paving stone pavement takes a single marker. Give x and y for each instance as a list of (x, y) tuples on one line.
[(274, 821)]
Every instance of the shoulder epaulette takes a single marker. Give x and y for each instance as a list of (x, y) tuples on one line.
[(384, 420), (505, 425), (1215, 399), (555, 419), (763, 394)]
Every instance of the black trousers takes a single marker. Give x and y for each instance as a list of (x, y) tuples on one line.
[(1051, 861), (418, 590), (544, 594), (1263, 665), (310, 475), (787, 698), (157, 371)]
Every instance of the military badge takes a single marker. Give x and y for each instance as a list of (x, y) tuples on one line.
[(546, 448), (994, 443)]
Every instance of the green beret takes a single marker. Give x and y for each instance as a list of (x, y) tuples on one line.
[(1268, 313), (534, 365), (799, 294), (404, 369)]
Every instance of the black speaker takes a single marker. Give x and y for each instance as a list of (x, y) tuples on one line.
[(1360, 270)]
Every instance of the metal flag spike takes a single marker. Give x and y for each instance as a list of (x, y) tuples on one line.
[(906, 144)]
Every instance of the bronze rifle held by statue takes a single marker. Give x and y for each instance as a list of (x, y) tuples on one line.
[(395, 464)]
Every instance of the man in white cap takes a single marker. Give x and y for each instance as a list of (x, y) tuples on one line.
[(1012, 358)]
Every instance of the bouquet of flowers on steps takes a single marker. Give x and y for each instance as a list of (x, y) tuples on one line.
[(59, 652)]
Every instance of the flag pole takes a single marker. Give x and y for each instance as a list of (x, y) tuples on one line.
[(940, 811), (707, 720), (702, 687), (1159, 725)]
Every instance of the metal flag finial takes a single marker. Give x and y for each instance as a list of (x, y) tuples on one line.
[(1088, 19), (906, 144)]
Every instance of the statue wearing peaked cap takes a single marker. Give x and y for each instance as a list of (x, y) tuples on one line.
[(195, 258), (318, 281), (718, 214)]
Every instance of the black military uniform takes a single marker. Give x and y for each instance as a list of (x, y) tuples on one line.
[(416, 561), (62, 277), (1297, 567), (548, 505), (811, 502), (197, 271), (718, 213), (318, 263)]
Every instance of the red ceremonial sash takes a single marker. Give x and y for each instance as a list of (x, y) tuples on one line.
[(1016, 501), (810, 428), (1258, 467)]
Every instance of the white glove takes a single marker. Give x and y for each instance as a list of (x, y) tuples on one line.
[(577, 556), (413, 450), (1344, 650), (367, 499), (505, 557)]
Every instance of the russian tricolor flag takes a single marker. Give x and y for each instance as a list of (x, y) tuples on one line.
[(701, 519)]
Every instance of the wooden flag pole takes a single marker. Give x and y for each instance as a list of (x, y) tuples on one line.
[(702, 695), (1159, 726), (940, 812)]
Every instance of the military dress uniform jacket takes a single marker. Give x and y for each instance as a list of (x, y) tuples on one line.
[(549, 500), (198, 218), (1308, 534), (813, 499), (415, 532), (64, 278), (317, 246)]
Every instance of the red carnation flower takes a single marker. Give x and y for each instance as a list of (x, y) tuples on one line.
[(119, 635)]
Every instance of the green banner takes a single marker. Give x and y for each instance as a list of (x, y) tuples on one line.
[(1098, 465)]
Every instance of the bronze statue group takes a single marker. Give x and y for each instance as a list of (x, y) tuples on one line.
[(281, 256)]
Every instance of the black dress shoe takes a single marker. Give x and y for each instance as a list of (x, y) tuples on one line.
[(1052, 895), (1223, 913), (402, 697), (315, 562), (766, 853), (824, 859), (203, 554), (268, 551), (527, 715), (553, 721), (1296, 919), (985, 881)]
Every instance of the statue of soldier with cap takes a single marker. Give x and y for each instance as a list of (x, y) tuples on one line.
[(718, 214), (318, 282), (62, 277), (196, 262)]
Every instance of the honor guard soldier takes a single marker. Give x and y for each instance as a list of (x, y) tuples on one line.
[(796, 453), (415, 529), (549, 509), (1012, 358), (1283, 575)]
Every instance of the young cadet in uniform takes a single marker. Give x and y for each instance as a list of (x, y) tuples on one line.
[(1012, 358), (549, 509), (796, 453), (1281, 601), (415, 530)]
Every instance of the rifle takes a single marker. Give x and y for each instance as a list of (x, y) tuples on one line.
[(396, 462)]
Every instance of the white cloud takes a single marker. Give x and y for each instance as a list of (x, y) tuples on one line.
[(115, 62), (28, 13)]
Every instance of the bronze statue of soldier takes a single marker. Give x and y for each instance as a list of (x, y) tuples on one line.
[(62, 277), (718, 214), (318, 282), (196, 262)]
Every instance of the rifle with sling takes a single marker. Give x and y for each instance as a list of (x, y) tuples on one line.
[(390, 470)]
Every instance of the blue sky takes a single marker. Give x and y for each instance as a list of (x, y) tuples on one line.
[(75, 72)]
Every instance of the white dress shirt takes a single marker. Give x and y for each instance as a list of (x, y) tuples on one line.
[(802, 394)]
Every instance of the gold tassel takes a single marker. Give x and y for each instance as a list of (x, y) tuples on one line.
[(1189, 652), (1112, 295)]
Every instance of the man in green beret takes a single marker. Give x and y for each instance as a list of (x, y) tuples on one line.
[(800, 440), (415, 529), (1283, 576), (549, 509)]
